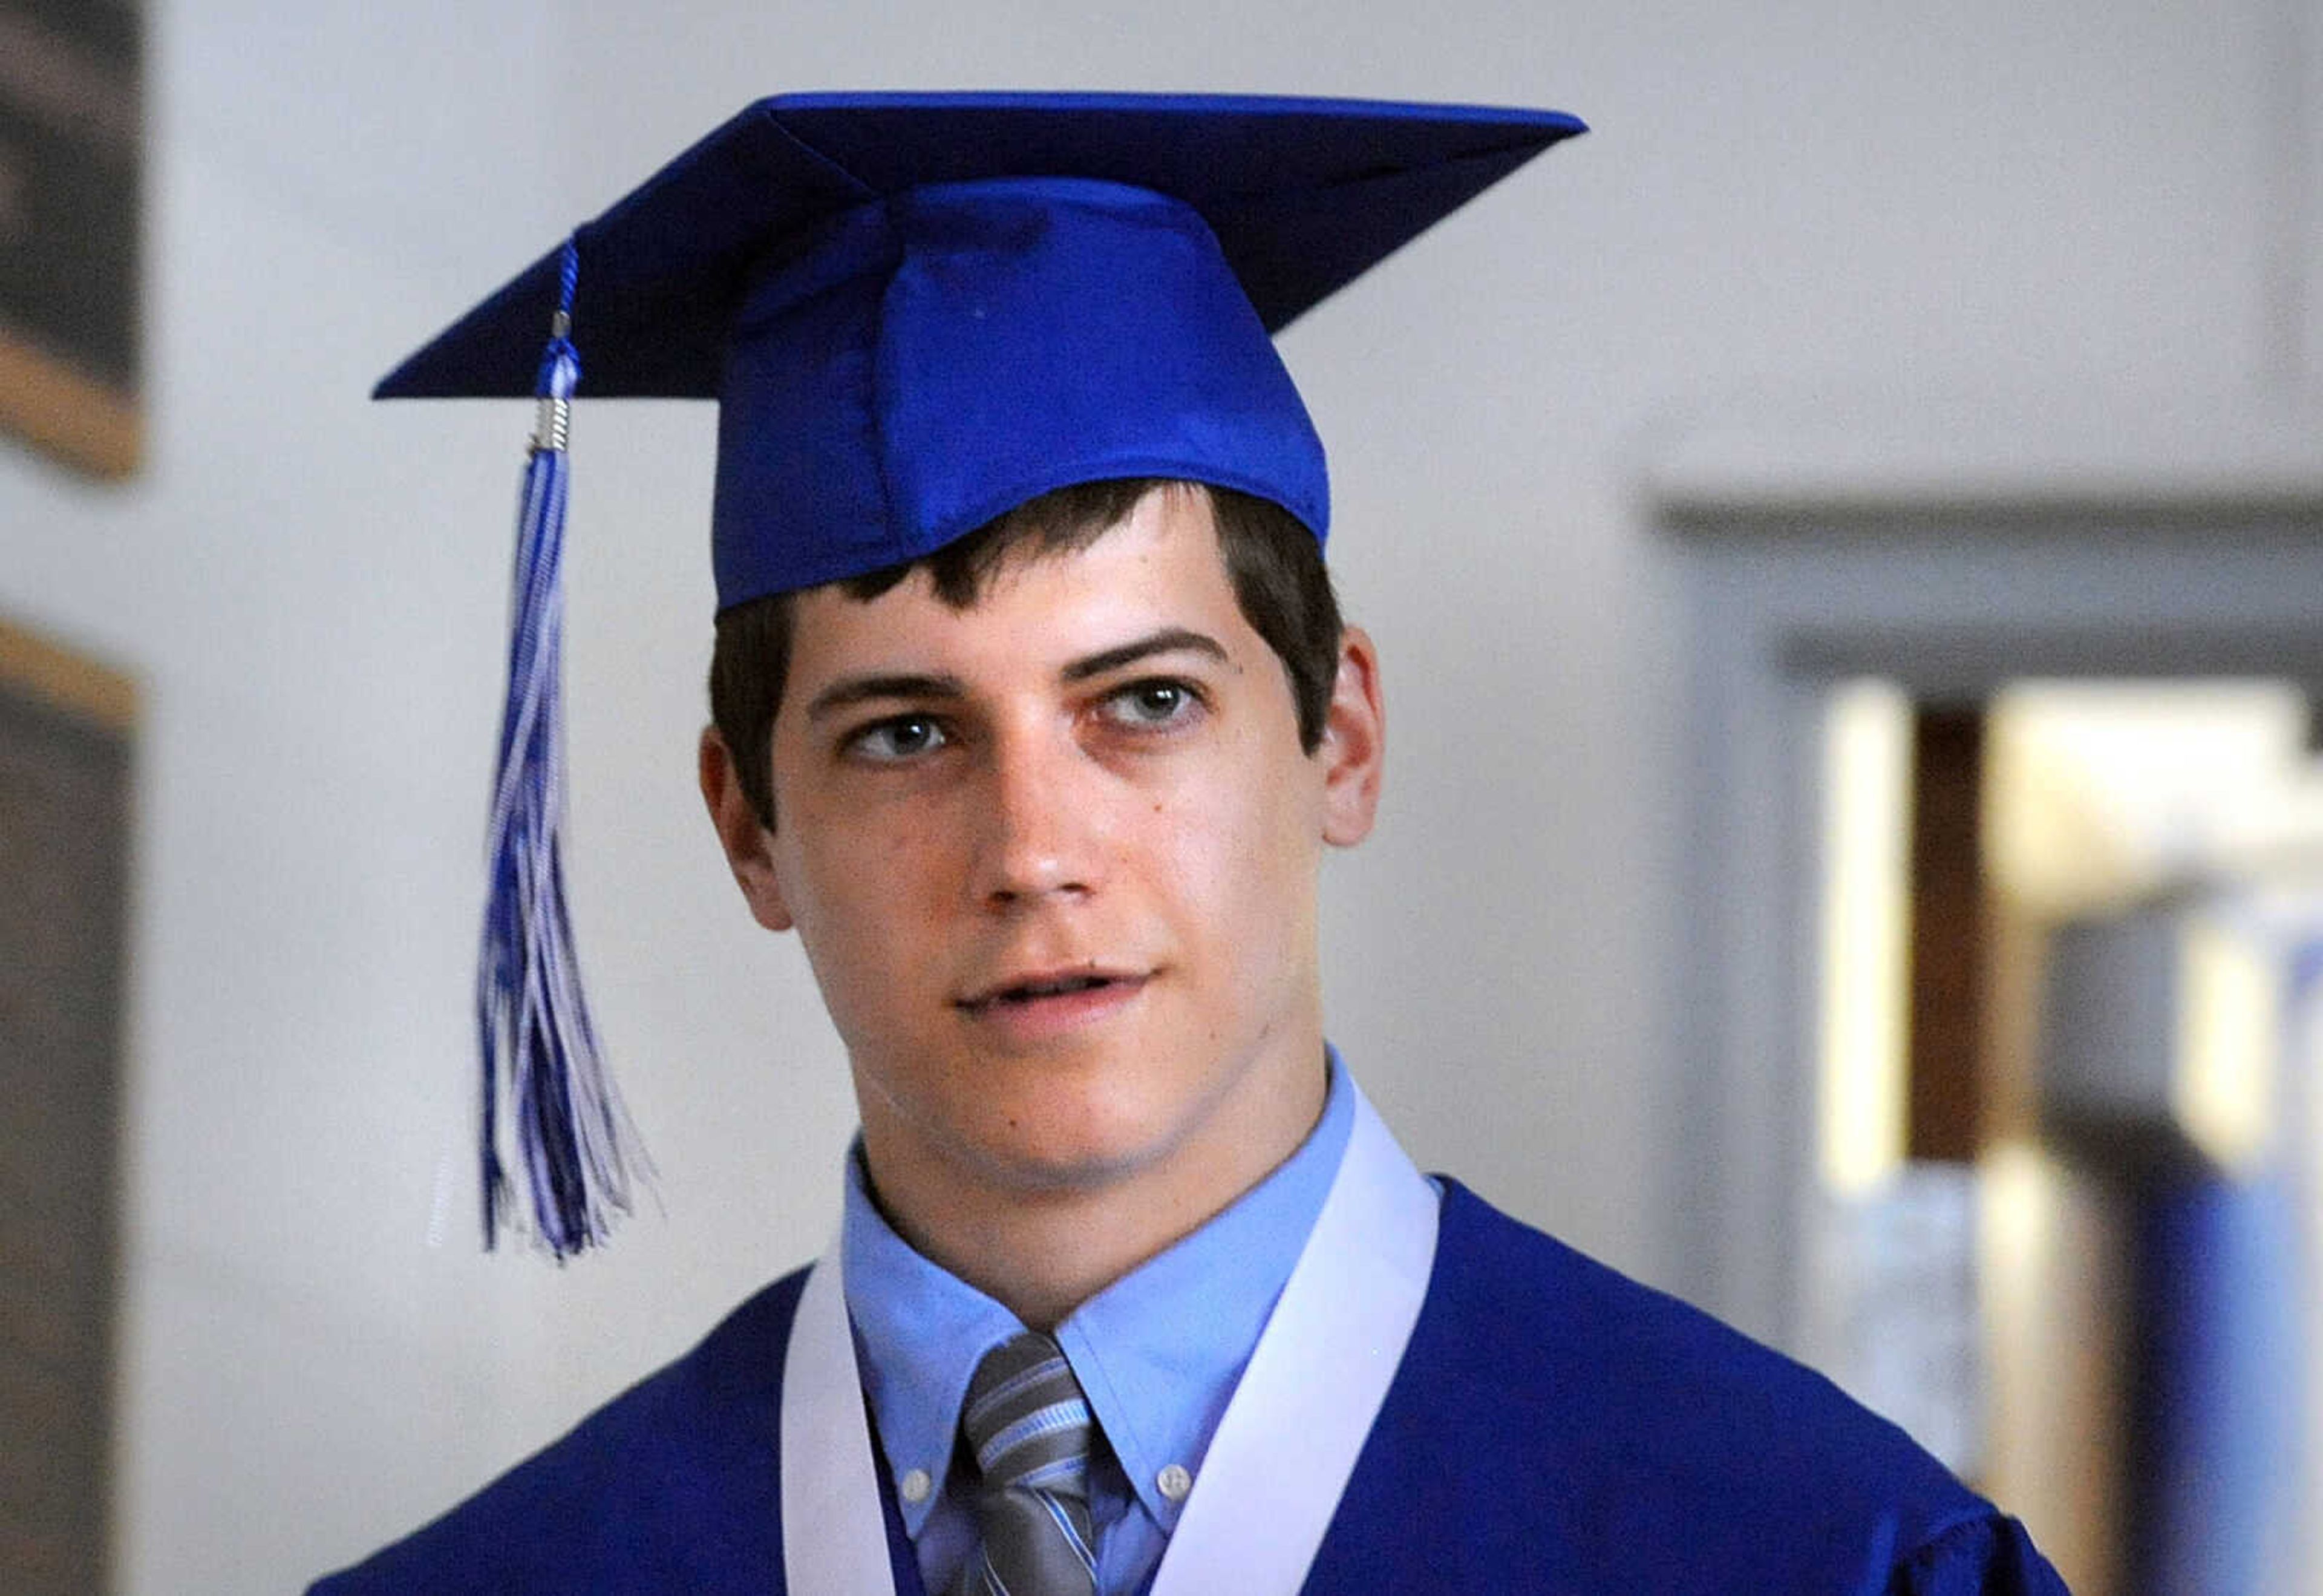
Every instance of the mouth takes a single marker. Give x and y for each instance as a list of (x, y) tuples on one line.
[(1031, 990)]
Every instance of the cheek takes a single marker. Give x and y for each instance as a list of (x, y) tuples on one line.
[(1239, 856), (860, 896)]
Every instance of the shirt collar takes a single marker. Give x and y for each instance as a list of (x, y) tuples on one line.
[(1159, 1352)]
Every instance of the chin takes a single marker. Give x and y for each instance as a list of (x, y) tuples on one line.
[(1058, 1146)]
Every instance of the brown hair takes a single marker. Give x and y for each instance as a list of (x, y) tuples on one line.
[(1273, 561)]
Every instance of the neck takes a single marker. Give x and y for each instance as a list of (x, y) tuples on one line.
[(1042, 1247)]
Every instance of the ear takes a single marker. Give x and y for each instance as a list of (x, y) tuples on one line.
[(748, 844), (1354, 743)]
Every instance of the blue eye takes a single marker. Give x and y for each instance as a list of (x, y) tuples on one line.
[(905, 737), (1158, 702)]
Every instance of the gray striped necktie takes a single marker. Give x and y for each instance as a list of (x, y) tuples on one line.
[(1029, 1426)]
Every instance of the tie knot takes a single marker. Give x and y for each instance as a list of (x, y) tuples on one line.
[(1026, 1419)]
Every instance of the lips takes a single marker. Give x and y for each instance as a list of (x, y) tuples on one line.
[(1034, 988)]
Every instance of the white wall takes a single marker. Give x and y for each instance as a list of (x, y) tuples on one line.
[(1800, 209)]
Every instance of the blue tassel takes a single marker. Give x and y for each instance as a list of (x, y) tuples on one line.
[(542, 1066)]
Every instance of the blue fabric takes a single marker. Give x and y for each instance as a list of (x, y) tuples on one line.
[(1557, 1427), (676, 1485), (917, 311), (1554, 1430), (1158, 1352), (933, 359), (2217, 1393)]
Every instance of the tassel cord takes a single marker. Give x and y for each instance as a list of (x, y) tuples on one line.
[(540, 1053)]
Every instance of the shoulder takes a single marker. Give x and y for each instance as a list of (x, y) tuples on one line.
[(1547, 1326), (1614, 1437), (670, 1486)]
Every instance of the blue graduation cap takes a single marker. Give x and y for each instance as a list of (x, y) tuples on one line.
[(916, 312)]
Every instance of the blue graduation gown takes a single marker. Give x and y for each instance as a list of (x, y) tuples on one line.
[(1553, 1428)]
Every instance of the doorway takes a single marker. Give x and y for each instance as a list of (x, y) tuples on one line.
[(1948, 605)]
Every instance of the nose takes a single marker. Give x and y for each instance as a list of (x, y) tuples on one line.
[(1038, 825)]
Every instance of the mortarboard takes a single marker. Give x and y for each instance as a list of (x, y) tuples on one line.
[(916, 312)]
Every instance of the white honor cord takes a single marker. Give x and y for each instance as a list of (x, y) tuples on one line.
[(834, 1532), (1284, 1451)]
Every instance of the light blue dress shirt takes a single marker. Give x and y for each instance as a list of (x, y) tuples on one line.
[(1158, 1353)]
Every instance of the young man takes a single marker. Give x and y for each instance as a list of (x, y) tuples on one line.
[(1033, 716)]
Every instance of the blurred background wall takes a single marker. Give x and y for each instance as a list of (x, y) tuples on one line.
[(1831, 220)]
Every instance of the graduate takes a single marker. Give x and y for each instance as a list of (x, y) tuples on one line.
[(1033, 715)]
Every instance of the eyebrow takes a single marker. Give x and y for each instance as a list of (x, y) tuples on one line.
[(1169, 639), (855, 690)]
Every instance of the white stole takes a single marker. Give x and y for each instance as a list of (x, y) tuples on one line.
[(1283, 1451)]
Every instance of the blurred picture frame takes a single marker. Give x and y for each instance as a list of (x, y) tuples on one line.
[(71, 187), (68, 725)]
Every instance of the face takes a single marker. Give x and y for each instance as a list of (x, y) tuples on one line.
[(1053, 860)]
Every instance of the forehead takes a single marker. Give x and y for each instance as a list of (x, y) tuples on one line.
[(1161, 565)]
